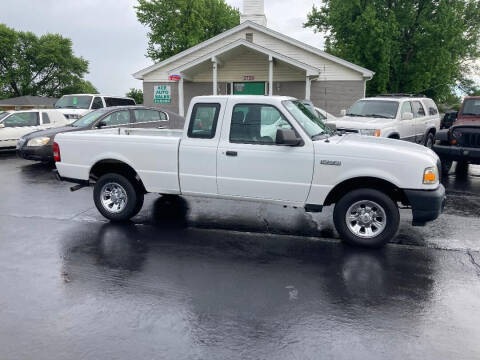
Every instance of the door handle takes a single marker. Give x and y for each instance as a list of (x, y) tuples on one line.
[(231, 153)]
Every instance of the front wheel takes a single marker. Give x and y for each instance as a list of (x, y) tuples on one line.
[(366, 217), (117, 198), (446, 166)]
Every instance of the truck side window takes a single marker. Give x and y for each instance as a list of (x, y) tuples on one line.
[(97, 103), (407, 107), (45, 118), (203, 122), (256, 124), (418, 110)]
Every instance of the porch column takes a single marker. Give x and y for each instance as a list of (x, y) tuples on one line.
[(181, 107), (215, 86), (270, 75), (308, 84)]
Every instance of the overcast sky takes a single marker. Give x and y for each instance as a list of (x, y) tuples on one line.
[(108, 35)]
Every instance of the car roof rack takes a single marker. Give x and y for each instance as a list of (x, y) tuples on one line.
[(401, 95)]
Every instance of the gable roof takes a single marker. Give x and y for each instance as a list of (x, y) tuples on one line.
[(249, 24), (311, 70), (29, 100)]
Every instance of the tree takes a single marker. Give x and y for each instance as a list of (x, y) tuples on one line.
[(414, 46), (176, 25), (45, 65), (136, 94)]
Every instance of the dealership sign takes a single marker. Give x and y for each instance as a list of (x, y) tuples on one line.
[(162, 94)]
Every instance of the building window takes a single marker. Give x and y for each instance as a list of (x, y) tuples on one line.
[(249, 37)]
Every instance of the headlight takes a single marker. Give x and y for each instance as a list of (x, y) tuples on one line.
[(370, 132), (430, 175), (38, 141)]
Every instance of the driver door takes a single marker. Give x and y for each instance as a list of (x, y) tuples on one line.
[(251, 165)]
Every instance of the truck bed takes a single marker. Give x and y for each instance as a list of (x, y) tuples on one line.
[(153, 153)]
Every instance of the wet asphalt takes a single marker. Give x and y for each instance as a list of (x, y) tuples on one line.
[(214, 279)]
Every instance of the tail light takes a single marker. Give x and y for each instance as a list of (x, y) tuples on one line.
[(56, 152)]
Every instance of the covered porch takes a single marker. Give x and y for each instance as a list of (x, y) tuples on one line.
[(243, 67)]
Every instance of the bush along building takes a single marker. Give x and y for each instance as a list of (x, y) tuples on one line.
[(253, 59)]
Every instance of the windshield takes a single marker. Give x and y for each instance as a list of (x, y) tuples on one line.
[(374, 108), (90, 118), (73, 102), (471, 107), (312, 125)]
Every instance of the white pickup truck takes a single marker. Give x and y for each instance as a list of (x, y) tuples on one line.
[(258, 148)]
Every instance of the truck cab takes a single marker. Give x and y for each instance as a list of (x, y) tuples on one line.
[(258, 148)]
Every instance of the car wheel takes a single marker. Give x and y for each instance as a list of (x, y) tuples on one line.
[(429, 140), (117, 198), (366, 217), (446, 166)]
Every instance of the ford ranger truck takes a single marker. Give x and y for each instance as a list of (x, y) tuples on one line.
[(258, 148), (461, 142)]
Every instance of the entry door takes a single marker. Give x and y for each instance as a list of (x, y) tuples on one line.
[(251, 165), (407, 127)]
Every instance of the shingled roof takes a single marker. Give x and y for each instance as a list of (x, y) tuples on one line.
[(29, 101)]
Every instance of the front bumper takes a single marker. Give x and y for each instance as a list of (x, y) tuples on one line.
[(458, 153), (37, 153), (427, 205)]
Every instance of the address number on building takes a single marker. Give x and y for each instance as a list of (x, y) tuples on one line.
[(162, 94)]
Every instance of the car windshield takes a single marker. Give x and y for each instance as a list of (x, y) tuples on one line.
[(312, 125), (73, 102), (374, 108), (90, 118), (471, 107)]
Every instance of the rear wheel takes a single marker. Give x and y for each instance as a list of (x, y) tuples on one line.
[(429, 140), (366, 217), (116, 197)]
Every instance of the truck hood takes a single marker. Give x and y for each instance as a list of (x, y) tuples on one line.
[(354, 122), (386, 149)]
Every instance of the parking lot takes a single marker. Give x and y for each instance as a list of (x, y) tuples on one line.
[(190, 279)]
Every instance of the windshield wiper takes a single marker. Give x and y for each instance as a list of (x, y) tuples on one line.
[(359, 115), (377, 116)]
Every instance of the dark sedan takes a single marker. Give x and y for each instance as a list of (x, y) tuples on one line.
[(38, 145)]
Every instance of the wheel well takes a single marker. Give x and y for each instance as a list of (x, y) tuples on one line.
[(432, 130), (394, 136), (394, 192), (118, 167)]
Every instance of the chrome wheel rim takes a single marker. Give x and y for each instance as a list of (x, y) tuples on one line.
[(366, 219), (113, 197)]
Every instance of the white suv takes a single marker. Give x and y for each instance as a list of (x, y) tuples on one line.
[(400, 116), (76, 105)]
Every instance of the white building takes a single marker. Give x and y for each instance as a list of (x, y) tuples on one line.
[(253, 59)]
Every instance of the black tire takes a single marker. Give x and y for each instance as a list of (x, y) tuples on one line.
[(429, 140), (389, 207), (134, 197), (446, 166)]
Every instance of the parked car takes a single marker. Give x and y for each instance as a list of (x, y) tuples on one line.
[(76, 105), (38, 145), (461, 142), (396, 116), (448, 119), (223, 153), (14, 124)]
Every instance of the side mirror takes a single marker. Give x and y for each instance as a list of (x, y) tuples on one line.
[(2, 125), (287, 137), (331, 126), (101, 124), (343, 112), (407, 116)]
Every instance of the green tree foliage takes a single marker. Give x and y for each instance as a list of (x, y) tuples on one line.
[(135, 94), (414, 46), (176, 25), (44, 66)]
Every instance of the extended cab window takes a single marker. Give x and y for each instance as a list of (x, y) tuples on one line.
[(22, 119), (203, 121), (110, 101), (418, 110), (256, 124), (149, 115)]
